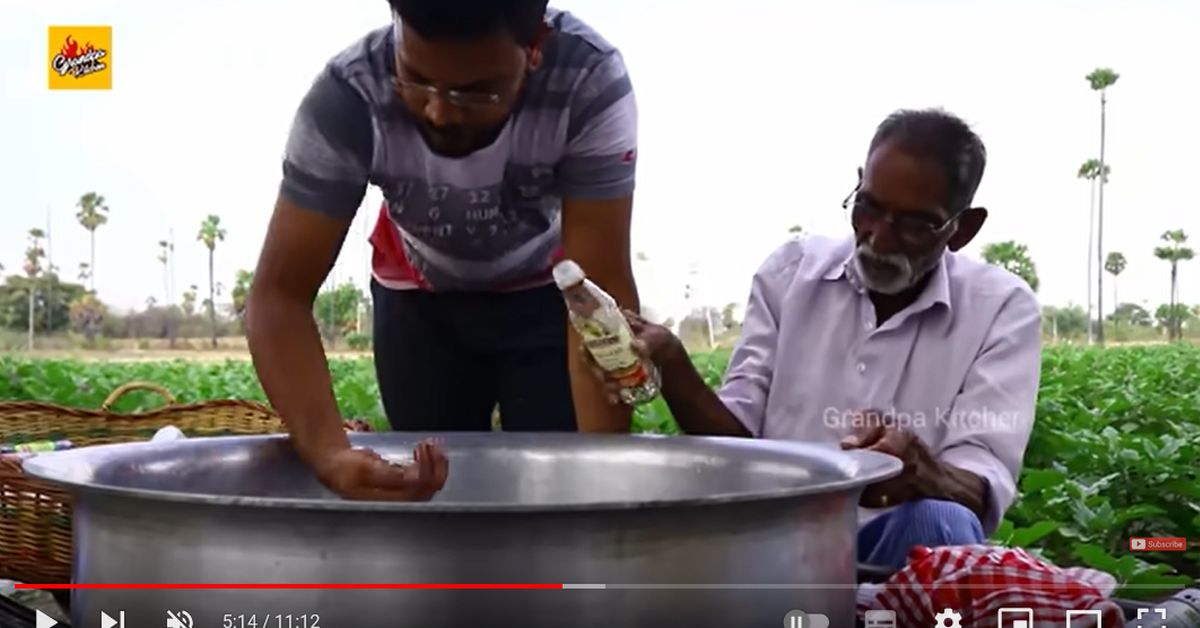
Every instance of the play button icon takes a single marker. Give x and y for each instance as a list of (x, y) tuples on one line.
[(45, 621), (106, 620)]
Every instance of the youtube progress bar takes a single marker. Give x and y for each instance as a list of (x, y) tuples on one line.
[(502, 586)]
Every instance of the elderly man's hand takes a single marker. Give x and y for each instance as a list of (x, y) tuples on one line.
[(653, 343), (920, 466)]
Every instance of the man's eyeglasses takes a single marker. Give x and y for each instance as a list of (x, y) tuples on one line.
[(912, 229), (465, 100)]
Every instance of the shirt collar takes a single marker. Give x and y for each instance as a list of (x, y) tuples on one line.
[(937, 291)]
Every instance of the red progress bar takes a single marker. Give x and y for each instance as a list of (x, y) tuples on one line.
[(289, 586)]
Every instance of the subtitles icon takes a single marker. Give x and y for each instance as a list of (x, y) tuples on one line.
[(879, 619)]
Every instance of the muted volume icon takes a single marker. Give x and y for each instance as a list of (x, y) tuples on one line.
[(180, 619), (800, 619)]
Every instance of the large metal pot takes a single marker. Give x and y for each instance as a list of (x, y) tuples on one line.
[(684, 531)]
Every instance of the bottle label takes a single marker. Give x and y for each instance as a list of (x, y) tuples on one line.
[(605, 334), (613, 353)]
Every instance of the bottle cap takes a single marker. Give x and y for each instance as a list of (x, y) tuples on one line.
[(567, 273)]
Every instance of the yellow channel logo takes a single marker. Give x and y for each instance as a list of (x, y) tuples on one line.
[(79, 57)]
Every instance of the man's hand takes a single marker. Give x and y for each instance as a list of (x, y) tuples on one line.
[(920, 466), (653, 343), (923, 477), (365, 475)]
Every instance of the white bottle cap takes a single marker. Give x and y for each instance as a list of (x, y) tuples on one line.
[(567, 273)]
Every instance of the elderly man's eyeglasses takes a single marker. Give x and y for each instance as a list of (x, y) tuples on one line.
[(912, 229), (464, 99)]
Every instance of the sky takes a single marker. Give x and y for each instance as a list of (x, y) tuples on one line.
[(753, 117)]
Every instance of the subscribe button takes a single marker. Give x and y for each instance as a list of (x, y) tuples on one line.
[(800, 619), (1157, 544)]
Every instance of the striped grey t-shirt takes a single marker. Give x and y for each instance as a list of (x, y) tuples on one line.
[(488, 221)]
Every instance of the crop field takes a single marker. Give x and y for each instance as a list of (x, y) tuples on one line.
[(1114, 453)]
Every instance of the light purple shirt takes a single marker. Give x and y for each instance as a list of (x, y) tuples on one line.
[(960, 367)]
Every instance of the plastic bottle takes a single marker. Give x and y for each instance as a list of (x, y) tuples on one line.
[(606, 334)]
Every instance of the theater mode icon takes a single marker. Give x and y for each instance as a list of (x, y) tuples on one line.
[(1093, 615)]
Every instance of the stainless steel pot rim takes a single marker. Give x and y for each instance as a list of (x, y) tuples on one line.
[(68, 468)]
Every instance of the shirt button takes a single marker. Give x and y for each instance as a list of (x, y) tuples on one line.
[(869, 326), (862, 368)]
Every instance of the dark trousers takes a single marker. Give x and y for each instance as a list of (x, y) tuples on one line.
[(445, 360)]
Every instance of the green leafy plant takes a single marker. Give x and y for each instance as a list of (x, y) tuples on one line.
[(1113, 453)]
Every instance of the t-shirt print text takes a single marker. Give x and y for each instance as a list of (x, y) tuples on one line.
[(474, 222)]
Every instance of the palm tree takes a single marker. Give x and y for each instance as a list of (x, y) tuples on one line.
[(1090, 170), (1175, 251), (165, 249), (164, 257), (1114, 264), (211, 233), (188, 304), (33, 268), (92, 213), (1100, 80)]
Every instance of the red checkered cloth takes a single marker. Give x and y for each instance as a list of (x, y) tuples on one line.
[(977, 581)]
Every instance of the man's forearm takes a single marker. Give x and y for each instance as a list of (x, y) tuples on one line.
[(593, 411), (951, 483), (291, 365), (696, 408)]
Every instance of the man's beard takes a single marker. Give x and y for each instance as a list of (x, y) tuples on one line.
[(892, 273), (450, 141), (457, 140)]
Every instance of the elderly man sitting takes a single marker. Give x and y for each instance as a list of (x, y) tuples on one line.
[(890, 341)]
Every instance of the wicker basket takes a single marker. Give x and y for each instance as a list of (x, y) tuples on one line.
[(35, 517)]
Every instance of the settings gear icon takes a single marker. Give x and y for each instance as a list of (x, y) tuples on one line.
[(947, 619)]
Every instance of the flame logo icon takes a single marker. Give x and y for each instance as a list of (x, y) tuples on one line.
[(72, 50)]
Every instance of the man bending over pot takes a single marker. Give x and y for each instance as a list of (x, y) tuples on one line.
[(889, 341)]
